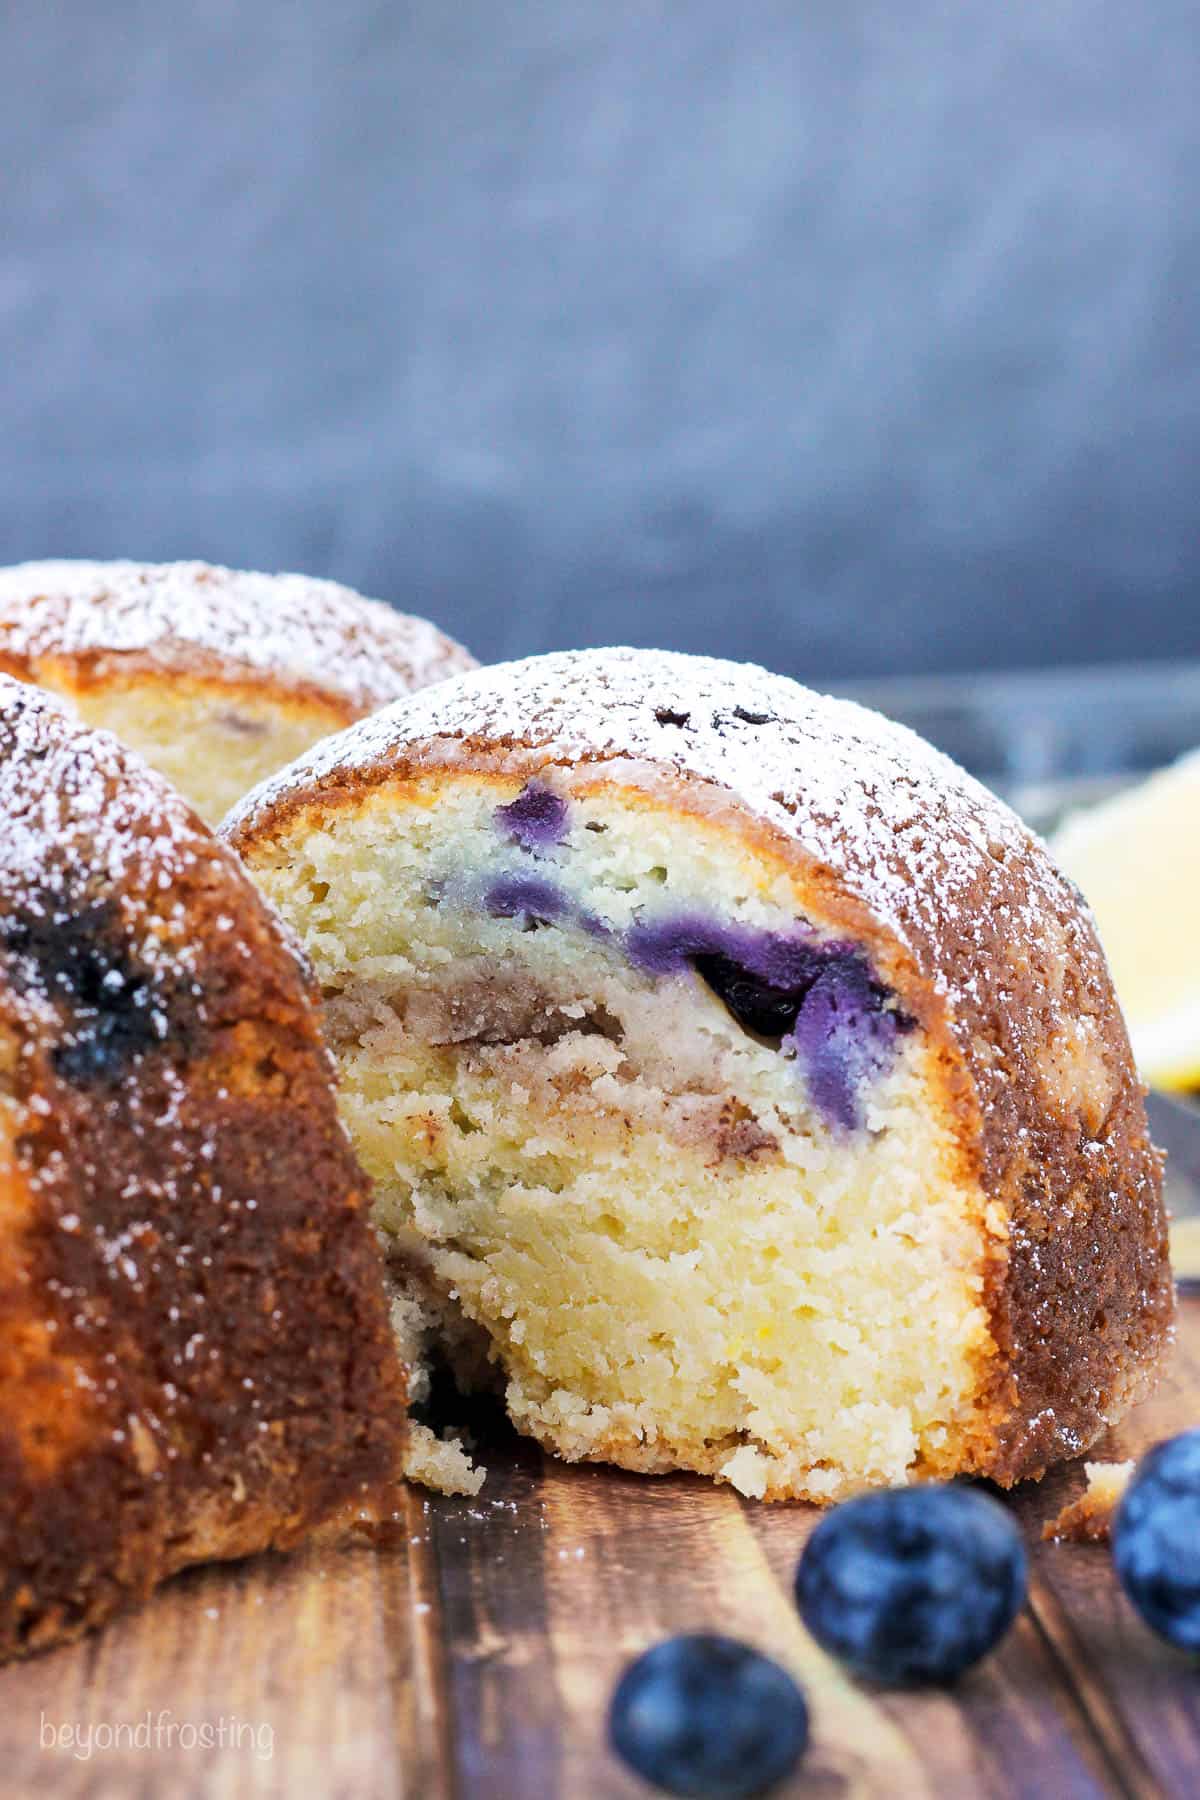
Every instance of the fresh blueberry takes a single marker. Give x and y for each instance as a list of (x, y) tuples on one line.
[(708, 1717), (913, 1585), (1156, 1540)]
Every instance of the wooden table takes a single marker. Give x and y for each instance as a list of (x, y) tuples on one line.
[(475, 1655)]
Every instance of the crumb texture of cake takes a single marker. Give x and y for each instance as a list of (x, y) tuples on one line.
[(1088, 1520), (440, 1463), (216, 676), (196, 1359), (739, 1079)]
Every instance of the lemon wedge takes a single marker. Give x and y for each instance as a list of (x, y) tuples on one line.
[(1137, 860)]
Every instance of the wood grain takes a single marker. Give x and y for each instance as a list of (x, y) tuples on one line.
[(473, 1656)]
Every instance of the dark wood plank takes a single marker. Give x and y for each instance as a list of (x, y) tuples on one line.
[(506, 1716), (677, 1555)]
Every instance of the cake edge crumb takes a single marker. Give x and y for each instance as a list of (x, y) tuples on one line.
[(440, 1463), (1088, 1519)]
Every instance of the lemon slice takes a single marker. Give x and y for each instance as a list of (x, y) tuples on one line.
[(1137, 860)]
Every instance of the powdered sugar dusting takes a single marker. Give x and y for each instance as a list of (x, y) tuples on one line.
[(81, 813), (97, 854), (909, 831), (192, 617), (126, 929)]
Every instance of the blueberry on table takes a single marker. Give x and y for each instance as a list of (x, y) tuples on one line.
[(708, 1717), (1156, 1540), (912, 1586)]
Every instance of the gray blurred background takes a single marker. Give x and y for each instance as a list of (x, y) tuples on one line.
[(858, 338)]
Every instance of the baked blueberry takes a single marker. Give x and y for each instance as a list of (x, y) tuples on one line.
[(914, 1585), (844, 1038), (708, 1717), (525, 896), (1156, 1540), (111, 1011), (817, 1000), (536, 819), (769, 1012)]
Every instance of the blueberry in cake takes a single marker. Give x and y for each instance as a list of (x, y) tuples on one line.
[(740, 1081), (216, 676), (195, 1352)]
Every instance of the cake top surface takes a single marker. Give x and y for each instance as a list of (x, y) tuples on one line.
[(140, 970), (859, 792), (108, 882), (81, 811), (193, 617)]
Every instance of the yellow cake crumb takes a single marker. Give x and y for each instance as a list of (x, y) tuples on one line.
[(440, 1463), (1088, 1519)]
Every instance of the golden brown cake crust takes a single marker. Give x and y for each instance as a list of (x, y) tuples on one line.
[(195, 1358), (984, 940), (72, 625)]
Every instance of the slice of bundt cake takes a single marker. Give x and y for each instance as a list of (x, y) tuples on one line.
[(217, 677), (734, 1070), (195, 1354)]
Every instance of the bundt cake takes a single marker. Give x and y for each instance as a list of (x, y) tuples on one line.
[(215, 676), (195, 1354), (737, 1076)]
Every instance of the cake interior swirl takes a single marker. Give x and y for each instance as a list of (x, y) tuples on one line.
[(555, 1078)]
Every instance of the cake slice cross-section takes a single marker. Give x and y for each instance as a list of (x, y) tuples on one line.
[(741, 1083)]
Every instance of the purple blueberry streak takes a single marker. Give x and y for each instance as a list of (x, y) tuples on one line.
[(816, 1001), (781, 959), (844, 1038), (536, 819), (819, 1001), (528, 896)]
